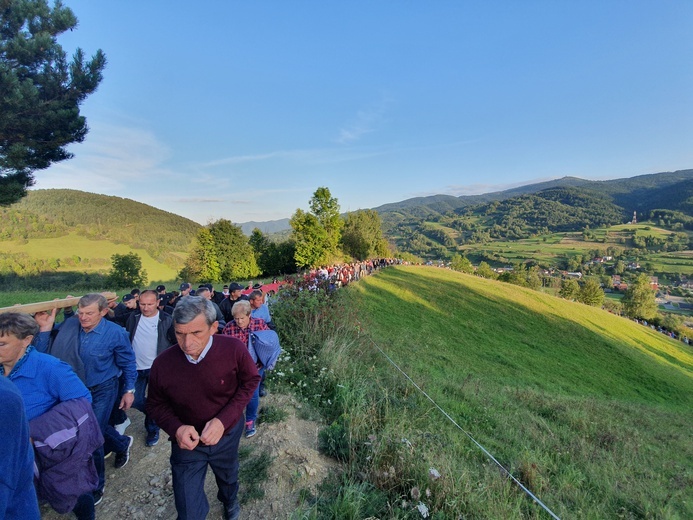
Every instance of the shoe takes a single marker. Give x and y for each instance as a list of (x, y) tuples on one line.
[(98, 497), (120, 428), (232, 512), (107, 455), (250, 429), (152, 439), (122, 458)]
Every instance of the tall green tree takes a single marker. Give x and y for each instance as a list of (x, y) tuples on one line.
[(325, 207), (570, 289), (202, 264), (591, 294), (461, 263), (41, 91), (362, 235), (310, 238), (235, 255), (484, 270), (126, 271), (639, 300)]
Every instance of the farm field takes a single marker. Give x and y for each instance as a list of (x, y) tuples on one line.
[(95, 255)]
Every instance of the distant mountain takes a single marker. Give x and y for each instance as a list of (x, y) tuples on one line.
[(268, 227)]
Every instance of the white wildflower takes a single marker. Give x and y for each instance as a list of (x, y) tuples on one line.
[(422, 509), (433, 474)]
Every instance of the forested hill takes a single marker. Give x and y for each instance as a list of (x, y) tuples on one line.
[(54, 213), (669, 190)]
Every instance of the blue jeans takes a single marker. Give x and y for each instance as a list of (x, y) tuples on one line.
[(254, 404), (189, 468), (103, 396), (141, 400)]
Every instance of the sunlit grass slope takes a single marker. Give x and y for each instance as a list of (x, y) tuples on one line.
[(97, 254), (591, 411)]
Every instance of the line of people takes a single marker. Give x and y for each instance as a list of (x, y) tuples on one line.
[(106, 356)]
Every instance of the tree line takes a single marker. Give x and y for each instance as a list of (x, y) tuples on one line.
[(318, 236)]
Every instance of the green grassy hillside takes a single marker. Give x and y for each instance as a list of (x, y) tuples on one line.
[(70, 230), (591, 411)]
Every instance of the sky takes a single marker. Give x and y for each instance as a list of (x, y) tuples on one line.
[(241, 110)]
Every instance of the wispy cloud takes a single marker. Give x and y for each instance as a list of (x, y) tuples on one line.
[(481, 188), (111, 159), (366, 121), (197, 200)]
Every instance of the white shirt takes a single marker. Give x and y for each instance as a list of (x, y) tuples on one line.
[(144, 341)]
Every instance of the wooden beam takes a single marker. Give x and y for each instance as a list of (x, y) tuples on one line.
[(33, 308)]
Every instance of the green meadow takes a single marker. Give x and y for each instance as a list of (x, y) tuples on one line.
[(93, 255), (590, 411)]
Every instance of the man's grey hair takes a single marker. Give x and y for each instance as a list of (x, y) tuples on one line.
[(203, 291), (190, 307), (240, 308), (90, 298), (19, 325), (256, 294)]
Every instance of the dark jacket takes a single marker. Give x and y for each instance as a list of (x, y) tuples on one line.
[(64, 439), (227, 304), (165, 333)]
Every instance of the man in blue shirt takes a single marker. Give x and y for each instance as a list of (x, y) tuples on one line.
[(17, 493), (98, 351)]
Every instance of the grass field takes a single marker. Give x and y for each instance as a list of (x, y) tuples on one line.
[(590, 411), (99, 252)]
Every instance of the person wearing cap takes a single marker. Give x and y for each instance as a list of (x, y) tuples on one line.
[(163, 303), (122, 311), (235, 295), (161, 289), (185, 288)]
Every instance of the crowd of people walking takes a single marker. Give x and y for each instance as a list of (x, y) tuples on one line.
[(77, 379)]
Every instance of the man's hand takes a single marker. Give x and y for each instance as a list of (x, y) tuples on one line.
[(213, 431), (126, 401), (187, 437), (46, 320)]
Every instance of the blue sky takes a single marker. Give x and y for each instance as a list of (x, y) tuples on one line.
[(240, 110)]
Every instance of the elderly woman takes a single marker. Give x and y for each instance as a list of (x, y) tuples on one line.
[(241, 327), (44, 381)]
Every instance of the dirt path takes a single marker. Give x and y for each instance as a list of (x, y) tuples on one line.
[(142, 489)]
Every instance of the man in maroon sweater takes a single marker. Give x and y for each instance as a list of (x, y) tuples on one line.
[(197, 392)]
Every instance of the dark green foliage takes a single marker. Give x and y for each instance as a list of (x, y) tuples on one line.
[(317, 233), (639, 300), (333, 441), (273, 258), (41, 91), (362, 236), (591, 294), (570, 289), (235, 255), (127, 271)]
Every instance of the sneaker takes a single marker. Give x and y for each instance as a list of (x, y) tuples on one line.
[(232, 512), (98, 497), (122, 458), (120, 428), (152, 439), (108, 455), (250, 429)]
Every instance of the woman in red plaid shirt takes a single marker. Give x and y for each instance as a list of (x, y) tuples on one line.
[(240, 327)]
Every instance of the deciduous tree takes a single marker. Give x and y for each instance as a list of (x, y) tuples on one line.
[(461, 263), (41, 91), (569, 289), (310, 239), (591, 294), (202, 264), (235, 255), (126, 271), (362, 236), (639, 300)]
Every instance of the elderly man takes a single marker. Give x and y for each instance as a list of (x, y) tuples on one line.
[(151, 332), (197, 392), (259, 308), (98, 351)]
